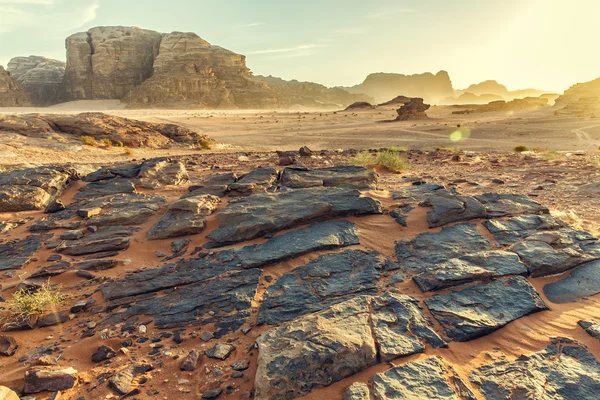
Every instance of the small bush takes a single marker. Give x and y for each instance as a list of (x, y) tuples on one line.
[(119, 144), (520, 149), (106, 142), (204, 143), (397, 148), (387, 159), (26, 303), (364, 158), (89, 141)]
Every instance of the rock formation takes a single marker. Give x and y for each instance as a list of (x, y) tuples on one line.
[(383, 87), (582, 99), (107, 62), (190, 72), (293, 93), (41, 78), (414, 109), (396, 101), (12, 93), (360, 105)]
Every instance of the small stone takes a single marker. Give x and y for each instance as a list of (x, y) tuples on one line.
[(241, 365), (206, 336), (212, 394), (103, 353), (220, 351), (89, 212), (190, 362), (8, 346), (237, 374), (142, 329), (54, 206), (50, 379), (159, 254), (72, 235)]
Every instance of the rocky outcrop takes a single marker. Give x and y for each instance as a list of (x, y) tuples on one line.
[(99, 126), (414, 109), (581, 99), (12, 93), (108, 62), (41, 77), (383, 86), (581, 282), (360, 105), (308, 94), (190, 72)]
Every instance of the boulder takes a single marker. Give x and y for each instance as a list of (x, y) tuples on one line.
[(102, 354), (414, 109), (565, 370), (12, 93), (582, 282), (105, 188), (254, 216), (41, 77), (49, 379), (477, 311), (220, 351), (360, 105), (429, 379)]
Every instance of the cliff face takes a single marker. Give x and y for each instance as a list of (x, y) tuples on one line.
[(308, 94), (582, 99), (190, 72), (384, 87), (107, 62), (12, 93), (41, 77)]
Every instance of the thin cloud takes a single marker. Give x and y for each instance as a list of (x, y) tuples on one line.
[(13, 17), (296, 49), (389, 13), (251, 25)]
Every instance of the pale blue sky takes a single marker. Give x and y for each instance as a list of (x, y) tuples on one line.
[(546, 44)]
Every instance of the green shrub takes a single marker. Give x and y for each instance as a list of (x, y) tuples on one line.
[(387, 159)]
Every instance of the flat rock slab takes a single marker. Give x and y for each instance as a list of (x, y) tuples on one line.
[(121, 209), (112, 238), (482, 266), (254, 216), (224, 301), (565, 370), (480, 310), (184, 217), (327, 280), (162, 172), (15, 254), (319, 236), (591, 327), (315, 351), (417, 193), (553, 252), (259, 180), (430, 379), (346, 176), (507, 204), (105, 188), (427, 250), (447, 207), (510, 231), (49, 379), (579, 283)]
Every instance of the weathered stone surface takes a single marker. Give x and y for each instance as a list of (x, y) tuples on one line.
[(414, 109), (582, 282), (399, 327), (102, 354), (220, 351), (161, 172), (52, 319), (16, 253), (552, 252), (216, 185), (190, 72), (327, 280), (32, 188), (429, 249), (346, 176), (510, 231), (105, 188), (417, 193), (254, 216), (190, 362), (591, 327), (482, 266), (315, 351), (506, 204), (357, 391), (430, 379), (122, 382), (112, 238), (229, 298), (40, 77), (12, 93), (8, 346), (120, 209), (447, 207), (49, 379), (320, 236), (565, 370), (480, 310), (259, 180)]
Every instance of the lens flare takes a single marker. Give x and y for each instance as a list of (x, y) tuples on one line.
[(460, 134)]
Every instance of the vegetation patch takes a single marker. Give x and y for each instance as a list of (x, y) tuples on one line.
[(28, 302), (386, 159)]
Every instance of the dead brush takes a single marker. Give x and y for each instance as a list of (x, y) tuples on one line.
[(27, 303)]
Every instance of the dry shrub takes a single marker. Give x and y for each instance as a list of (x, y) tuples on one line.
[(387, 159), (89, 141), (26, 303)]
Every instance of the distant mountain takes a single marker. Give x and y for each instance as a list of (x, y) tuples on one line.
[(386, 86), (581, 99), (309, 94), (470, 98), (489, 88)]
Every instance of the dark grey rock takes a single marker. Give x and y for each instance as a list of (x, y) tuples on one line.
[(345, 176), (162, 172), (212, 394), (447, 207), (506, 204), (591, 327), (179, 245), (103, 353), (216, 185), (72, 235), (122, 382), (122, 209), (16, 253), (417, 193), (54, 206), (553, 252), (565, 370), (399, 327), (49, 379), (482, 266), (112, 238), (320, 236), (52, 319), (427, 250), (510, 231), (430, 379), (401, 214), (220, 351), (45, 225), (240, 365), (480, 310), (257, 181), (105, 188), (8, 346), (581, 282), (190, 362), (327, 280), (254, 216)]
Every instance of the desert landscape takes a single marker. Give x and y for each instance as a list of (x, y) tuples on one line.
[(176, 226)]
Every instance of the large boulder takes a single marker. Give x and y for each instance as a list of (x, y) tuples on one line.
[(41, 77), (414, 109), (12, 93)]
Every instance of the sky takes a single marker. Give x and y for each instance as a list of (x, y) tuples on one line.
[(542, 44)]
